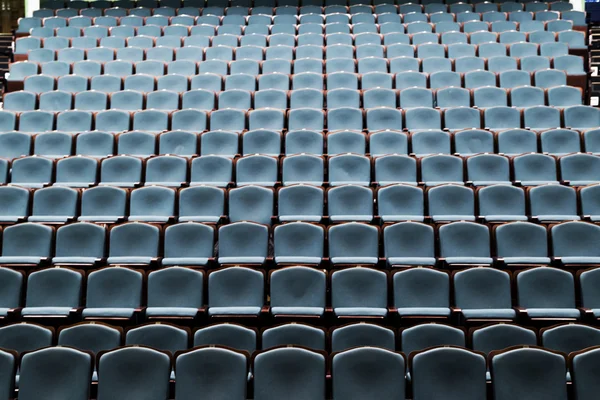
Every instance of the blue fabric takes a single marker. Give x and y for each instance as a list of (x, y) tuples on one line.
[(233, 310), (74, 260), (20, 260), (46, 311), (427, 311), (411, 261), (469, 260), (108, 312), (129, 260), (354, 260), (185, 261), (553, 312), (366, 311), (298, 310), (241, 260), (298, 260), (490, 313), (171, 311)]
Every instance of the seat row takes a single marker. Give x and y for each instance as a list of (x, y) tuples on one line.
[(225, 47), (512, 142), (310, 46), (303, 96), (443, 203), (155, 61), (277, 83), (215, 170), (334, 7), (355, 292), (96, 337), (352, 243), (27, 25), (243, 9), (354, 374), (342, 118)]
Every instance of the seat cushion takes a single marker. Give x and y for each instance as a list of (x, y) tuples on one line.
[(234, 310), (366, 311), (297, 310), (354, 260), (411, 260), (184, 261), (171, 311), (46, 311), (503, 313), (108, 312), (553, 313), (426, 311)]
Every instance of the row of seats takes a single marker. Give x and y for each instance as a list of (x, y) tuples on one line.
[(542, 293), (298, 373), (215, 170), (404, 244), (97, 337), (57, 204), (372, 61), (245, 74), (517, 17), (303, 96), (343, 6), (339, 45), (354, 13), (342, 118), (512, 142), (430, 7)]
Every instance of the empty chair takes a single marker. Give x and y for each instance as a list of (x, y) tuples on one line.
[(488, 169), (103, 204), (300, 203), (473, 141), (421, 292), (195, 370), (520, 370), (52, 292), (564, 96), (201, 204), (80, 243), (113, 368), (344, 118), (211, 170), (25, 337), (546, 292), (163, 337), (294, 334), (243, 242), (571, 242), (548, 78), (133, 243), (356, 373), (581, 117), (54, 204), (553, 203), (128, 100), (257, 170), (422, 118), (570, 338), (433, 365), (453, 97), (534, 169), (235, 291), (279, 370), (113, 293), (438, 169), (539, 117), (297, 290), (349, 300), (346, 142), (454, 248), (152, 204), (350, 202), (510, 241), (303, 168), (353, 243), (20, 101), (451, 203), (16, 203), (251, 203), (483, 294), (54, 368), (527, 96), (349, 169), (151, 121), (501, 336), (32, 171), (53, 145), (578, 169), (430, 142), (122, 171)]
